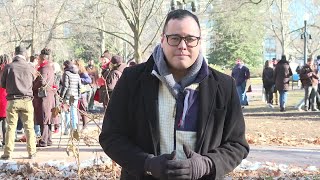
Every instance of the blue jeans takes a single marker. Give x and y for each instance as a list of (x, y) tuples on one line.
[(90, 98), (72, 115), (310, 95), (283, 98), (242, 94), (37, 130)]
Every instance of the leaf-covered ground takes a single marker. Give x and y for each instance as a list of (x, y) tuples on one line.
[(264, 127)]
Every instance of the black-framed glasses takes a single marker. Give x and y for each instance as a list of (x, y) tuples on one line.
[(175, 40)]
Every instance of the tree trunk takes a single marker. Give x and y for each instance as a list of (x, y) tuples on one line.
[(137, 48), (34, 16), (102, 35)]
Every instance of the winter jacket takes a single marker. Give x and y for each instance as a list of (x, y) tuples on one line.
[(282, 75), (43, 105), (240, 74), (267, 77), (130, 130), (305, 79), (17, 78), (114, 75), (71, 83)]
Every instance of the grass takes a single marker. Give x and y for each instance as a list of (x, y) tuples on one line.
[(256, 81)]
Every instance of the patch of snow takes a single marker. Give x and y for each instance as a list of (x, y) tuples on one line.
[(312, 169), (254, 166)]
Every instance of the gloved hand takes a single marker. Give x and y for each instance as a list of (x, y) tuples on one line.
[(157, 165), (194, 167)]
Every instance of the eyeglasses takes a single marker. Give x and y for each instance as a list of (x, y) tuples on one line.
[(175, 40)]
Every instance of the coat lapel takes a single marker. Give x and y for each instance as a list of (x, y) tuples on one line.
[(150, 103), (208, 90)]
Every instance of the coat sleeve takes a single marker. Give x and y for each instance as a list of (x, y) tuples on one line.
[(303, 74), (114, 138), (247, 73), (86, 79), (4, 78), (64, 85), (234, 147)]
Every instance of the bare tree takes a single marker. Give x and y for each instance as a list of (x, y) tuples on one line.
[(135, 22)]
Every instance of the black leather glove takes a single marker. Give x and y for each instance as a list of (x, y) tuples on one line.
[(157, 165), (194, 167)]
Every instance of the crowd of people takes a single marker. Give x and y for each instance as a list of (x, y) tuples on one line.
[(34, 88), (277, 75)]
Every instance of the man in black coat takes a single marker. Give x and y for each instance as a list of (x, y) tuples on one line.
[(173, 117)]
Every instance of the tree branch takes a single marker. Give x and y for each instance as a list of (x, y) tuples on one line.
[(149, 15), (111, 33), (54, 25)]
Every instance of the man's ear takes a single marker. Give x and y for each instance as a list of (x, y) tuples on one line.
[(162, 39)]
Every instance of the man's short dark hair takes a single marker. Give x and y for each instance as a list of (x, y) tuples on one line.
[(45, 51), (179, 14), (20, 50)]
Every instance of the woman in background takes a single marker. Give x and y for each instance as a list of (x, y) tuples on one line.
[(43, 105), (4, 60), (85, 89), (70, 87), (268, 82)]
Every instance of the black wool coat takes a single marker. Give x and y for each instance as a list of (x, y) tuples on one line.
[(130, 128)]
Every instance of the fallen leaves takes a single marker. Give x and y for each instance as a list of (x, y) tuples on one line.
[(317, 141), (280, 140)]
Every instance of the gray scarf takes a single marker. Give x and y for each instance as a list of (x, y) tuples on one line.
[(167, 78)]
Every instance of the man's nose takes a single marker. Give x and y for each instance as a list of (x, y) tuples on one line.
[(182, 44)]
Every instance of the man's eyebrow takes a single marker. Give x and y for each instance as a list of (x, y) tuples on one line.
[(189, 35)]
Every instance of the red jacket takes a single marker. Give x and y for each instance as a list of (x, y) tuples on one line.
[(3, 102)]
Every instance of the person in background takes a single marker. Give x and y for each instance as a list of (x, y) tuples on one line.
[(131, 62), (105, 62), (70, 87), (93, 73), (17, 78), (57, 121), (268, 82), (318, 93), (4, 60), (174, 117), (309, 78), (241, 74), (43, 105), (85, 88), (116, 68), (276, 92), (34, 60), (282, 74)]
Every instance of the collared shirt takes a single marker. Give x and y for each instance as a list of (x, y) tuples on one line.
[(17, 78)]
